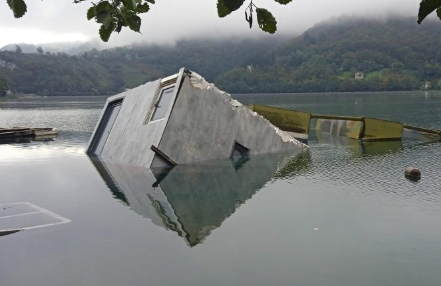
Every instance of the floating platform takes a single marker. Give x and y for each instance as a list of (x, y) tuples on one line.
[(359, 128), (18, 133)]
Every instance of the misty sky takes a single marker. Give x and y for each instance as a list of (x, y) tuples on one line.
[(168, 20)]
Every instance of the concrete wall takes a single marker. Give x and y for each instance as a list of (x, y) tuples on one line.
[(130, 139), (202, 125), (205, 122)]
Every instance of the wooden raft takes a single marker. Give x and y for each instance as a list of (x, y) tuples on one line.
[(23, 132)]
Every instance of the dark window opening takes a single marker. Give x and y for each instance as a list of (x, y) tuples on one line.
[(240, 153)]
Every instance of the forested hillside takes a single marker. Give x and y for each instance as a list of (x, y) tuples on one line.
[(396, 54), (113, 70), (56, 74), (3, 86)]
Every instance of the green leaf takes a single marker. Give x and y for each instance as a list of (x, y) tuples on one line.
[(18, 7), (91, 13), (134, 22), (106, 31), (438, 13), (102, 17), (266, 21), (151, 1), (233, 5), (222, 9), (225, 7), (129, 4), (142, 8), (284, 2), (427, 7), (103, 6)]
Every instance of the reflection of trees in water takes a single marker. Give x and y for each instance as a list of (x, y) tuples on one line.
[(294, 166)]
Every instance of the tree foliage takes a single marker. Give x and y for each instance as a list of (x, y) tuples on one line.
[(427, 7), (18, 7), (113, 15), (265, 18), (3, 86), (396, 55)]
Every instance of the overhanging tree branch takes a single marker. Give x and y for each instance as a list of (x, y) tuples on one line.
[(113, 15)]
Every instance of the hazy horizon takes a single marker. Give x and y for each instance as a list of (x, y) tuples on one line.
[(172, 20)]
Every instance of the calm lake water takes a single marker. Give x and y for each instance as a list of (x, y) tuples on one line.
[(339, 214)]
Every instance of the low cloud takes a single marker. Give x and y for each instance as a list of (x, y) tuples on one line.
[(169, 20)]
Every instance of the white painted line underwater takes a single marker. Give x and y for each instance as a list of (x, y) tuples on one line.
[(8, 216), (40, 210)]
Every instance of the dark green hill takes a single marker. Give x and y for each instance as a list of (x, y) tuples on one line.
[(3, 86), (113, 70), (56, 74), (396, 54)]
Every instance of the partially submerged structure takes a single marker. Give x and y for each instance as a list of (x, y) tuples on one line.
[(297, 123), (182, 119)]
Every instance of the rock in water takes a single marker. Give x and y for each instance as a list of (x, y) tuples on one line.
[(412, 173)]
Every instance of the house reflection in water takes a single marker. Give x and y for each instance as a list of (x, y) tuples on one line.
[(192, 200)]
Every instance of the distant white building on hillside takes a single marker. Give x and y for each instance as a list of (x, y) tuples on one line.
[(427, 85), (359, 75)]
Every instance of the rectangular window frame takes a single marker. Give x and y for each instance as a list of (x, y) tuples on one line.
[(166, 83), (104, 120), (157, 101)]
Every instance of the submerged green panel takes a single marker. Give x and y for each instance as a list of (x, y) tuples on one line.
[(348, 128), (355, 128), (381, 147), (285, 119), (377, 129), (421, 134)]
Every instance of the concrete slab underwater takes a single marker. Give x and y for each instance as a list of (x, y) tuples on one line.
[(21, 216)]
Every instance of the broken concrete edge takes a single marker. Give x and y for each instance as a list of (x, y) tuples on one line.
[(199, 82)]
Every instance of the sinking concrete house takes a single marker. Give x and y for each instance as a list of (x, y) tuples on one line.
[(182, 119)]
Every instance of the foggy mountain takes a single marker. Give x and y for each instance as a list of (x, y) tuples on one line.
[(392, 54), (70, 48)]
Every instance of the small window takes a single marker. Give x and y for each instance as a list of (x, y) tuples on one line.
[(239, 153), (163, 103)]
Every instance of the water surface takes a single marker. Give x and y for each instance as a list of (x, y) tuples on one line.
[(341, 213)]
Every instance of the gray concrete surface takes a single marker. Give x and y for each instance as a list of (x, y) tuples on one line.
[(130, 139), (204, 125)]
